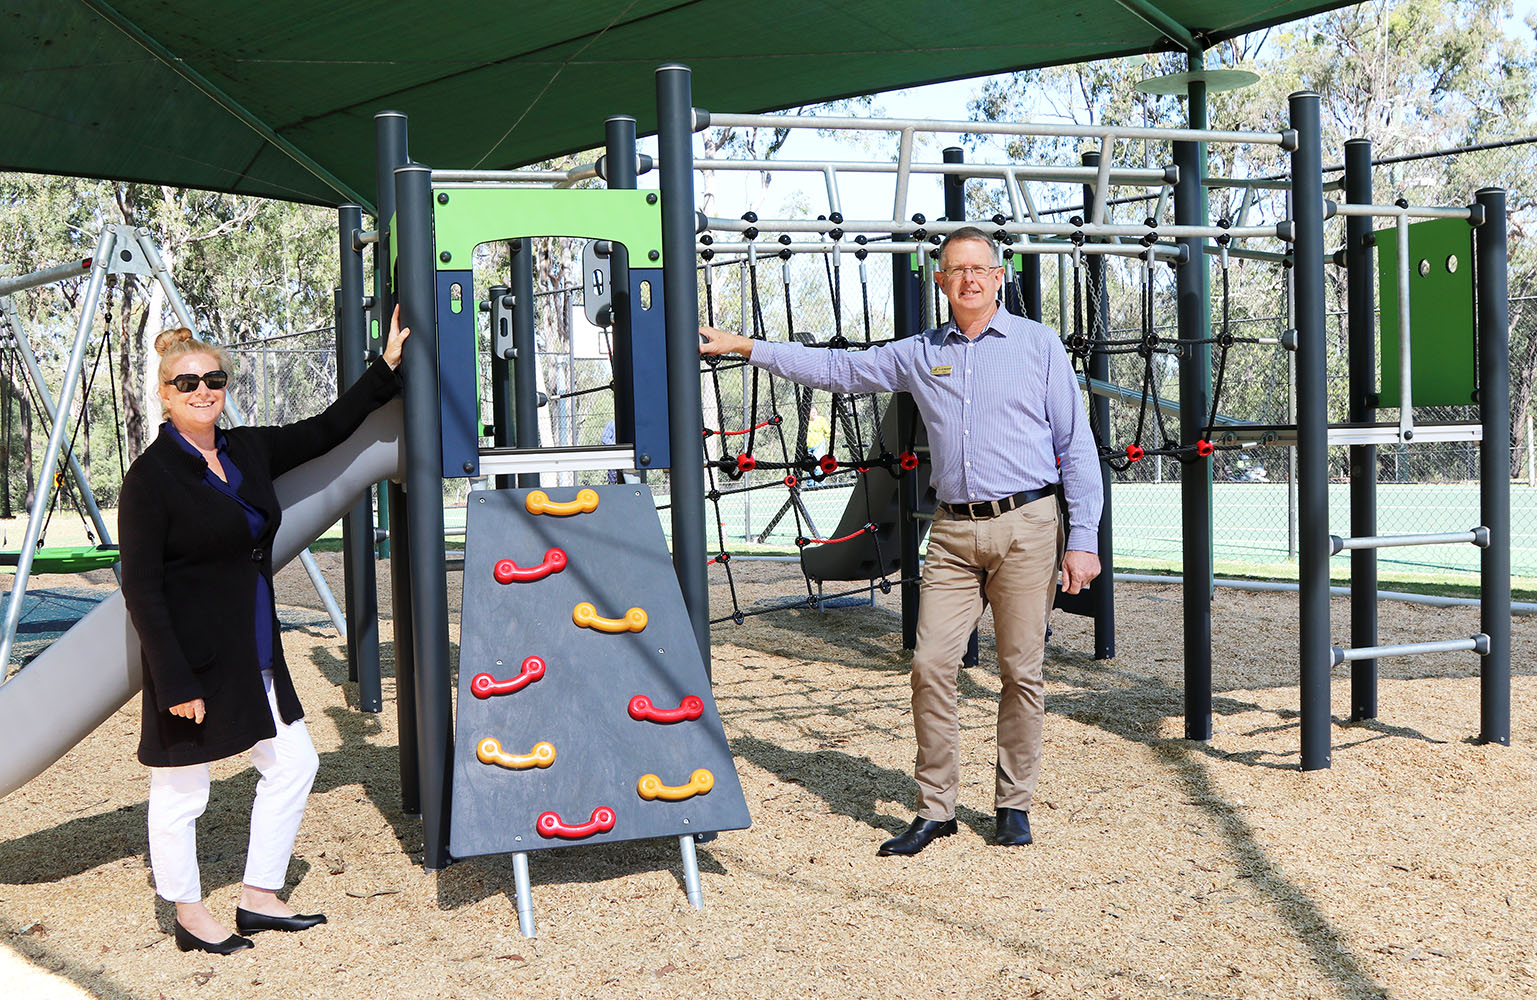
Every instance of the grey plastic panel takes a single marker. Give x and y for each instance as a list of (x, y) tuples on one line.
[(617, 559)]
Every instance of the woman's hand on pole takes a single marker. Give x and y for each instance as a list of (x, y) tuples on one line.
[(193, 710), (713, 341), (395, 346)]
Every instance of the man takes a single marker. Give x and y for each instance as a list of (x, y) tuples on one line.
[(1002, 407)]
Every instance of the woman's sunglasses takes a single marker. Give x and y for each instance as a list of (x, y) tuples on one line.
[(216, 379)]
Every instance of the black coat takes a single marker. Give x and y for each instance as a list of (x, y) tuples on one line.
[(190, 570)]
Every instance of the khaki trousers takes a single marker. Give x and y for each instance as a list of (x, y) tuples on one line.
[(1010, 563)]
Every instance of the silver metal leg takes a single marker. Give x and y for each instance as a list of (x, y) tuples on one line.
[(690, 871), (525, 895), (324, 590), (55, 445)]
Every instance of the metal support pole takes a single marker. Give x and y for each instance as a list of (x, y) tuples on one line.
[(35, 372), (56, 435), (690, 871), (1312, 431), (1102, 590), (906, 308), (1494, 464), (1194, 315), (524, 893), (361, 591), (525, 364), (619, 170), (680, 296), (1360, 311), (390, 152), (503, 415), (416, 287)]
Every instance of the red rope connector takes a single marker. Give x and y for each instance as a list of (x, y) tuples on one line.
[(791, 482), (828, 465), (746, 463), (1204, 448), (1134, 453), (908, 460)]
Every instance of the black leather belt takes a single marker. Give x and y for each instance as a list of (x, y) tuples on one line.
[(992, 508)]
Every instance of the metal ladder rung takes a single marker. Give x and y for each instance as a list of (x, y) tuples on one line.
[(1476, 644), (1478, 536)]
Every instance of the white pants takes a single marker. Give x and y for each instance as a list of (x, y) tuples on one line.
[(178, 796)]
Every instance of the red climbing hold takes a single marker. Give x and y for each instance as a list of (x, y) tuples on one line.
[(641, 710), (484, 685), (507, 571), (908, 461), (1204, 448), (746, 463), (828, 464), (551, 825), (1134, 453)]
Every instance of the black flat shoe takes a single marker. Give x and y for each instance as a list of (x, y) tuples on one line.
[(248, 922), (188, 941), (919, 834), (1013, 828)]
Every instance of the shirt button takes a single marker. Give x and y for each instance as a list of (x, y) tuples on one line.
[(966, 431), (968, 465), (968, 402)]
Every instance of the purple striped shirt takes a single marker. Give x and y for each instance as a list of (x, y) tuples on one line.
[(1000, 409)]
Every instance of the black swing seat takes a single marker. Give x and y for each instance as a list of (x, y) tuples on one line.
[(65, 558)]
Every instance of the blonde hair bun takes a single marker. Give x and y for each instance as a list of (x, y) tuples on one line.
[(170, 338)]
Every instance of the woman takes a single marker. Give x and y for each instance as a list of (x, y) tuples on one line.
[(197, 517)]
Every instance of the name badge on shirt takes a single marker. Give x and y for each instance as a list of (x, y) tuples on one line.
[(940, 370)]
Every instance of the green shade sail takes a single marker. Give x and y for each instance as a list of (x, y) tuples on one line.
[(276, 97)]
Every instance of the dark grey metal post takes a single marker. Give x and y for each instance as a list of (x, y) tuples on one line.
[(619, 161), (1494, 464), (1312, 431), (390, 141), (1194, 315), (955, 211), (1102, 591), (906, 310), (680, 291), (362, 595), (525, 382), (503, 416), (1361, 305), (416, 286)]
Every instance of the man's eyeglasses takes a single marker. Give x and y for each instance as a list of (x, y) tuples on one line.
[(216, 379), (971, 270)]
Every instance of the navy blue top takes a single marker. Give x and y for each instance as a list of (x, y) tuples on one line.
[(256, 518)]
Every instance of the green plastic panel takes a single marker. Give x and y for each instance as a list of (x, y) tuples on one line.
[(1443, 353), (471, 216)]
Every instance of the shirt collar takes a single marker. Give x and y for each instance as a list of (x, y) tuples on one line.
[(999, 323), (220, 443)]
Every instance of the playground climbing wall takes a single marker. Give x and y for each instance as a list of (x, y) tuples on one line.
[(585, 713)]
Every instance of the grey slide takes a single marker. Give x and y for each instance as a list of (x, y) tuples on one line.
[(92, 670)]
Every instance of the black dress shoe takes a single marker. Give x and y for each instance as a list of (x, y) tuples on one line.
[(917, 836), (250, 922), (1013, 828), (188, 941)]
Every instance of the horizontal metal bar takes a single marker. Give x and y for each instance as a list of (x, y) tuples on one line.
[(1342, 434), (47, 276), (1392, 211), (1162, 251), (1476, 644), (710, 119), (580, 172), (1133, 176), (1284, 587), (1478, 536), (364, 237), (511, 461), (1088, 230)]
